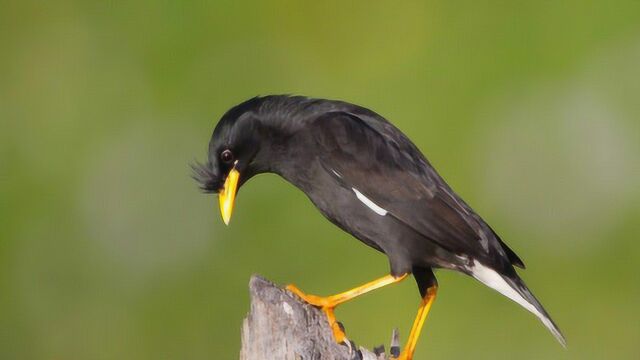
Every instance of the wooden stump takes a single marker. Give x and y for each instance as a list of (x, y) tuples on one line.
[(282, 326)]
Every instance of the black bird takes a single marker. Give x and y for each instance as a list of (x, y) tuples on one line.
[(369, 179)]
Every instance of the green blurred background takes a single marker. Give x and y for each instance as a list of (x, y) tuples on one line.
[(530, 110)]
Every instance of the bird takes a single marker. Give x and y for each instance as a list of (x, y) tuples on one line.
[(366, 177)]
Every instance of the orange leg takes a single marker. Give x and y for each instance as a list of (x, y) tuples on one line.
[(423, 311), (329, 303)]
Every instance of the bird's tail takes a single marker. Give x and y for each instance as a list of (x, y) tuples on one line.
[(515, 289)]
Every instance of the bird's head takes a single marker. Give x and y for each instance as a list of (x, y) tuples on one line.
[(247, 141), (232, 153)]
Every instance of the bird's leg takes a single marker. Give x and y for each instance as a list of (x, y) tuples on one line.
[(328, 304), (423, 311)]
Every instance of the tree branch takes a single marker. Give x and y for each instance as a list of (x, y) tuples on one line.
[(282, 326)]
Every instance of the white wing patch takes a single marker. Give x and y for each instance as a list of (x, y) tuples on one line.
[(370, 204)]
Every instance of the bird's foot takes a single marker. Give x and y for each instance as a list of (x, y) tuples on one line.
[(327, 305), (403, 356), (394, 350)]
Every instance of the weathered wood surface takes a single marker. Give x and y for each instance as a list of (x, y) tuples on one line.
[(282, 326)]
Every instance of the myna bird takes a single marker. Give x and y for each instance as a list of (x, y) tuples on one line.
[(369, 179)]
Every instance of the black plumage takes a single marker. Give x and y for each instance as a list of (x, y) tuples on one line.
[(369, 179)]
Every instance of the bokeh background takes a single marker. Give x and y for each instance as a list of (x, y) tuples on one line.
[(530, 110)]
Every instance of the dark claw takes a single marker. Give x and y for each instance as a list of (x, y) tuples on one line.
[(378, 350), (357, 355), (394, 351)]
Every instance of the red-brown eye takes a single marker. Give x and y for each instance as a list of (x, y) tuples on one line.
[(226, 156)]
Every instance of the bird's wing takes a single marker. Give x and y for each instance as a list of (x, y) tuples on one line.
[(373, 157)]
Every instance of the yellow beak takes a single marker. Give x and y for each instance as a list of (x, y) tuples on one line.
[(227, 196)]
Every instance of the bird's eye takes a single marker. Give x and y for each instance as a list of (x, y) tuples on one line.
[(226, 156)]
